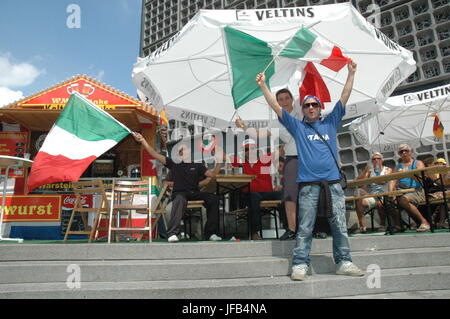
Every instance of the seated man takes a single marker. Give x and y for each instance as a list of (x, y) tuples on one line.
[(169, 182), (363, 205), (261, 187), (187, 178), (410, 201)]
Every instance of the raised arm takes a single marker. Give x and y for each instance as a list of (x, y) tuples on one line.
[(270, 98), (140, 139), (220, 157), (365, 173), (253, 133), (347, 90)]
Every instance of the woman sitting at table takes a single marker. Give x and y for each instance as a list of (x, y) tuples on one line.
[(410, 201), (261, 187), (363, 205)]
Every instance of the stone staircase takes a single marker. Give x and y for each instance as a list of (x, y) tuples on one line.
[(416, 263)]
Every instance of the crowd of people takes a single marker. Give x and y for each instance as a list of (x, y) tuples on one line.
[(310, 184), (409, 202)]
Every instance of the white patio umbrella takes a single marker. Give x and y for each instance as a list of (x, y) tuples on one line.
[(407, 118), (192, 78)]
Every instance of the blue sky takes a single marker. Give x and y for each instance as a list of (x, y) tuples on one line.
[(38, 49)]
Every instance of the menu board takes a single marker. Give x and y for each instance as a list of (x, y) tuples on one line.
[(14, 144)]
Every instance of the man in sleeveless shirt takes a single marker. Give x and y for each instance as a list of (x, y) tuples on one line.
[(363, 205)]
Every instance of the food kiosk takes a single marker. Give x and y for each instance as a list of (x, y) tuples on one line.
[(26, 123)]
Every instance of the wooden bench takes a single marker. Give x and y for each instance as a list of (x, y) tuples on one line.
[(393, 193)]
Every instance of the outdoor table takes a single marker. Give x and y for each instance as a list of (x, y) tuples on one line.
[(419, 173), (385, 202), (10, 162), (225, 183)]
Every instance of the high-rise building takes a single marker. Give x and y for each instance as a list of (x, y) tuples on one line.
[(421, 26)]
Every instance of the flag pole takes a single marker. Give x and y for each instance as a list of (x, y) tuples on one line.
[(96, 107), (286, 42)]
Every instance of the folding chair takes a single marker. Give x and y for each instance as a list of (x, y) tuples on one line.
[(268, 207), (193, 209), (94, 187), (271, 207), (124, 198), (371, 213), (134, 196)]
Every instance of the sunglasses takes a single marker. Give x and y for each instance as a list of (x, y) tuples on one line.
[(403, 151), (376, 158), (314, 104)]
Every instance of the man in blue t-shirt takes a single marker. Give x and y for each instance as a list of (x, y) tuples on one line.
[(318, 176)]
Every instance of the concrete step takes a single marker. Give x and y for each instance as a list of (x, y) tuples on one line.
[(212, 268), (316, 286), (420, 294), (201, 250)]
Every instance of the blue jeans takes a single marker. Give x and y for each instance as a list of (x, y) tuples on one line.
[(308, 199)]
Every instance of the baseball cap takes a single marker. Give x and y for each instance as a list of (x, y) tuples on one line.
[(441, 160)]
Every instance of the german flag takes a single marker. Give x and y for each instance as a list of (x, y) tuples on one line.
[(438, 128), (163, 118)]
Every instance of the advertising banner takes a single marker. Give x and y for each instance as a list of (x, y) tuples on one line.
[(32, 208), (57, 97)]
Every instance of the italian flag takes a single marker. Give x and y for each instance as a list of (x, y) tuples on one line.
[(249, 56), (81, 133)]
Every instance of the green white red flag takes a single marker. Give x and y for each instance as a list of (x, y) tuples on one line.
[(82, 132), (249, 55)]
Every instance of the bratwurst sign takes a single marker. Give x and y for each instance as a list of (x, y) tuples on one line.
[(31, 208)]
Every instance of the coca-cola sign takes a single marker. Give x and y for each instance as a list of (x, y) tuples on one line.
[(68, 201)]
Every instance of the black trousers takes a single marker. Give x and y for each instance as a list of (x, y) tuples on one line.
[(179, 205)]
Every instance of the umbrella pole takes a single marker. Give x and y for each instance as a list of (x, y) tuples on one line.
[(444, 140), (445, 147)]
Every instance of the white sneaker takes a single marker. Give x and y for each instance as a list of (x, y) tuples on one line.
[(348, 268), (214, 237), (173, 239), (299, 272)]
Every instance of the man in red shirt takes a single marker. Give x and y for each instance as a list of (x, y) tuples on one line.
[(261, 187)]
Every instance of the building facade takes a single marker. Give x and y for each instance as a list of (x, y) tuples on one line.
[(421, 26)]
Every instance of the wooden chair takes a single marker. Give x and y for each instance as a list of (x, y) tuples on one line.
[(124, 198), (134, 196), (268, 207), (193, 209), (271, 207), (94, 187)]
